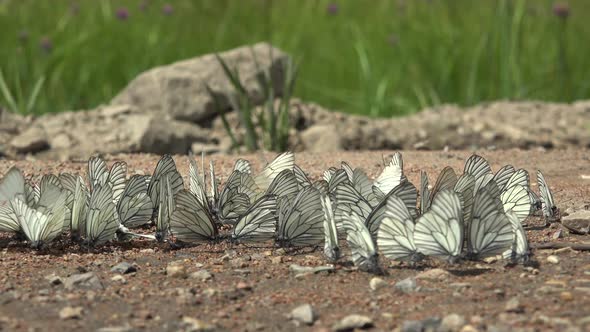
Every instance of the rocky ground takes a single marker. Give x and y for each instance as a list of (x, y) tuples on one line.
[(145, 286)]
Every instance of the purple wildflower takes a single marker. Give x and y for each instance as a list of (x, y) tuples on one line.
[(122, 14), (561, 10), (167, 9), (46, 44), (332, 8)]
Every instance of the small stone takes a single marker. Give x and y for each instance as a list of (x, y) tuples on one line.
[(243, 286), (407, 285), (377, 283), (514, 305), (197, 325), (351, 322), (87, 280), (566, 296), (428, 324), (54, 280), (125, 328), (239, 263), (553, 259), (298, 269), (490, 260), (303, 314), (451, 323), (175, 270), (124, 268), (70, 313), (469, 328), (433, 275), (276, 260), (119, 278), (202, 275)]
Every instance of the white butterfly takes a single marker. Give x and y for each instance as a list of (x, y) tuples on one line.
[(439, 231), (331, 247), (516, 199), (43, 223), (395, 238), (391, 176), (550, 210), (101, 220), (259, 223), (301, 219), (364, 255), (480, 168), (12, 186), (191, 220), (99, 174), (282, 162), (519, 252), (490, 231)]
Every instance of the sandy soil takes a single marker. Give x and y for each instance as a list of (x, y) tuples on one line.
[(253, 288)]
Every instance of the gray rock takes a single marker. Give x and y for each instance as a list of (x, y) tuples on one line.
[(452, 323), (428, 324), (321, 138), (303, 314), (577, 222), (179, 89), (86, 281), (298, 269), (352, 322), (407, 285), (33, 139), (124, 268), (202, 275)]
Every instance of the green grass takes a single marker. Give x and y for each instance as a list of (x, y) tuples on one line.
[(377, 57)]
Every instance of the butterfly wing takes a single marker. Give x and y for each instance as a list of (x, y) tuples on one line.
[(301, 177), (302, 224), (395, 237), (259, 222), (284, 184), (480, 168), (503, 175), (364, 255), (282, 162), (191, 221), (490, 232), (196, 183), (547, 202), (135, 206), (12, 184), (404, 191), (101, 221), (117, 179), (424, 193), (439, 232), (243, 166), (517, 200), (331, 247), (519, 252), (98, 172), (392, 174)]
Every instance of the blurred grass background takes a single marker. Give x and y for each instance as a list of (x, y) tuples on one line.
[(377, 57)]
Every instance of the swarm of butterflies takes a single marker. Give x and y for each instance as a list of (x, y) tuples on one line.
[(475, 215)]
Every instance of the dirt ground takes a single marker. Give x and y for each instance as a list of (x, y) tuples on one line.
[(253, 289)]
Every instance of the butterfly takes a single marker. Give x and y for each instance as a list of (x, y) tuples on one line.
[(480, 168), (101, 220), (519, 251), (258, 224), (439, 232), (301, 219), (12, 186), (395, 238), (550, 210), (331, 247), (99, 174), (391, 176), (364, 254), (44, 222), (191, 220), (447, 180), (490, 231)]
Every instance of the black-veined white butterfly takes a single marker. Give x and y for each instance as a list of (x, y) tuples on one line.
[(395, 238), (439, 231), (165, 167), (550, 210), (516, 199), (40, 226), (301, 221), (391, 176), (99, 174), (519, 251), (101, 220), (282, 162), (406, 192), (135, 207), (259, 223), (503, 175), (362, 247), (490, 231), (331, 247), (191, 221), (480, 168), (12, 186)]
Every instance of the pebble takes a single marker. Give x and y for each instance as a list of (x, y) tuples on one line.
[(303, 314), (351, 322), (566, 296), (514, 305), (175, 270), (53, 279), (298, 269), (276, 260), (451, 323), (553, 259), (377, 283), (87, 280), (70, 313), (243, 286), (124, 268), (428, 324), (119, 278), (407, 285), (197, 325), (125, 328), (490, 260), (469, 328), (433, 275), (202, 275)]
